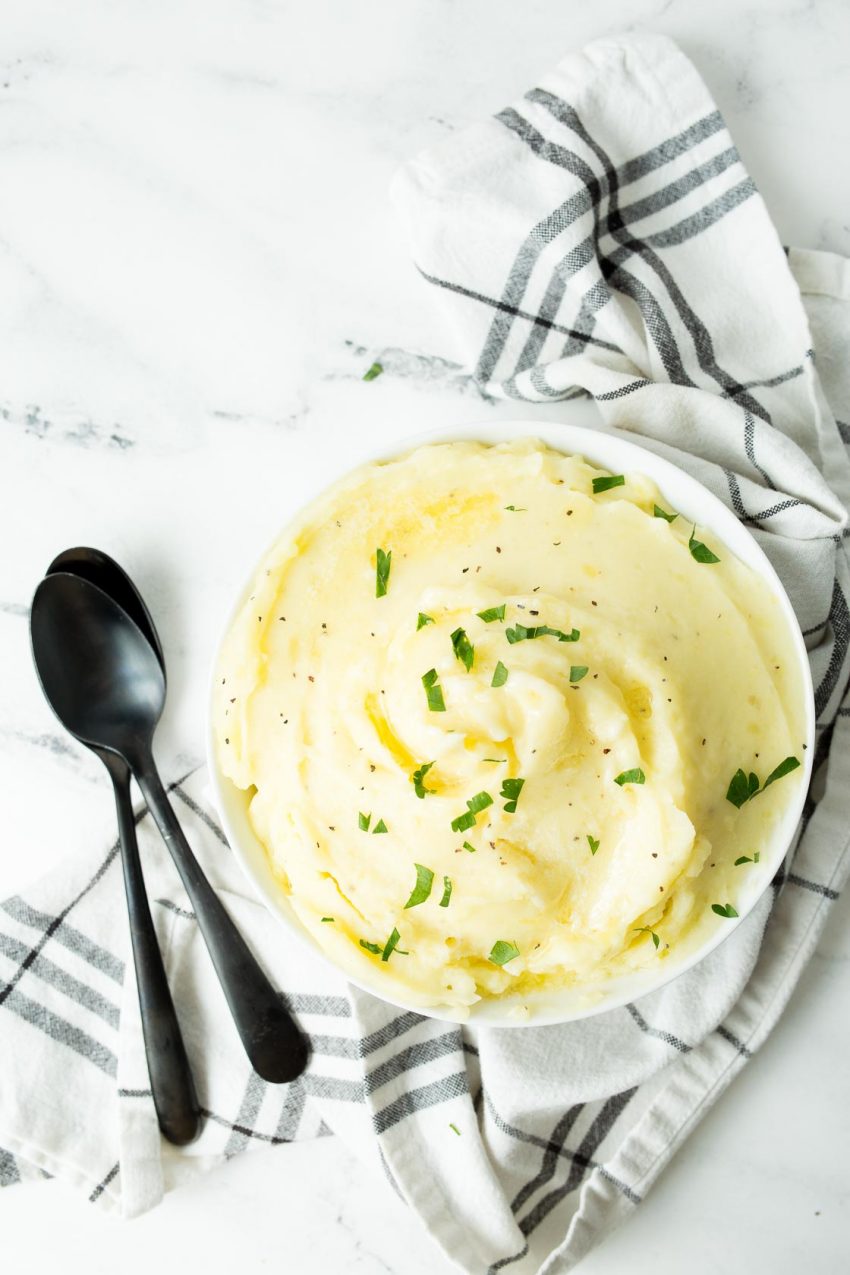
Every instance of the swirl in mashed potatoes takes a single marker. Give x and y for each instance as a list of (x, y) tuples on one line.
[(496, 756)]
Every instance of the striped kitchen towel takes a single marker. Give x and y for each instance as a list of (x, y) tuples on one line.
[(601, 237)]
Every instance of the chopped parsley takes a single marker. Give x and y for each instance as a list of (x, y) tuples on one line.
[(724, 909), (468, 847), (391, 945), (327, 918), (511, 789), (699, 551), (658, 512), (422, 620), (380, 826), (455, 1129), (387, 950), (463, 648), (475, 805), (447, 892), (746, 858), (646, 929), (422, 889), (743, 787), (593, 842), (577, 672), (606, 483), (433, 691), (363, 822), (634, 776), (463, 822), (374, 371), (382, 572), (500, 676), (418, 780), (503, 952), (492, 613), (522, 633), (515, 510)]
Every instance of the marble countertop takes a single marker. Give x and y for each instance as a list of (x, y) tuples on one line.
[(198, 261)]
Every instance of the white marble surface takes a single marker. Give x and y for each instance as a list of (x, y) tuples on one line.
[(197, 263)]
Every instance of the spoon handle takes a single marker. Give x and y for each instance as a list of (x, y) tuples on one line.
[(172, 1086), (273, 1042)]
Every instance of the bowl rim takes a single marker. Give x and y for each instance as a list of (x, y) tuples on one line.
[(599, 444)]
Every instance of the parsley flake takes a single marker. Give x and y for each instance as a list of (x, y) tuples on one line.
[(577, 672), (515, 510), (634, 776), (374, 948), (433, 691), (500, 676), (511, 789), (475, 805), (646, 929), (658, 512), (422, 889), (422, 620), (593, 842), (468, 847), (743, 787), (380, 826), (463, 649), (363, 822), (492, 613), (327, 918), (607, 482), (391, 945), (382, 571), (455, 1129), (447, 892), (523, 633), (463, 822), (418, 780), (724, 909), (502, 952), (374, 371), (699, 551)]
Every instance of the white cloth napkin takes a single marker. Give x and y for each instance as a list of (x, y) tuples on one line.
[(601, 236)]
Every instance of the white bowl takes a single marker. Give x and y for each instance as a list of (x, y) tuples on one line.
[(613, 452)]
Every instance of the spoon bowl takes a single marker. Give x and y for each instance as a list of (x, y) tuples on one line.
[(99, 569), (98, 671)]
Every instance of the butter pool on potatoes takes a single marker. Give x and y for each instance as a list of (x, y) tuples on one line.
[(322, 712)]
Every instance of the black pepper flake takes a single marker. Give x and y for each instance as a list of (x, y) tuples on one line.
[(569, 513), (606, 751), (331, 828), (703, 743), (661, 889), (594, 604), (227, 741), (372, 768), (282, 617), (498, 550), (310, 677), (534, 613), (233, 701), (464, 571), (555, 543), (655, 854), (536, 589)]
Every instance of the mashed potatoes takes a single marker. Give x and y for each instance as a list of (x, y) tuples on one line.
[(490, 702)]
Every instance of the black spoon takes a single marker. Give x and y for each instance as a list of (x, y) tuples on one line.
[(107, 686), (172, 1086)]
